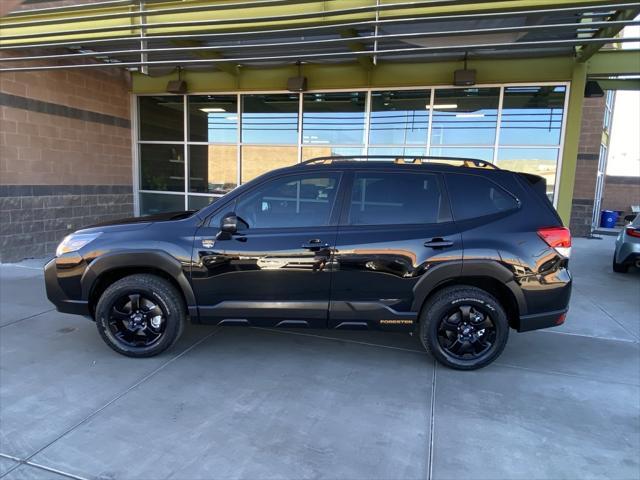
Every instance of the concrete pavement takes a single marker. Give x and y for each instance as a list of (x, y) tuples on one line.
[(257, 403)]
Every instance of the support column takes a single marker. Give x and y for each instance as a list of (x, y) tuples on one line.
[(571, 141)]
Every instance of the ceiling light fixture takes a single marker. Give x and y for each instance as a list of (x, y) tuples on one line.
[(444, 106), (213, 110)]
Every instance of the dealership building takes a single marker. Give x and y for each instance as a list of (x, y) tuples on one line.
[(115, 108)]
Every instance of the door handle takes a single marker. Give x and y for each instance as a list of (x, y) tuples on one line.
[(438, 243), (315, 245)]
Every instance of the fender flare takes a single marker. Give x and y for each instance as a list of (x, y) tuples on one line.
[(156, 259), (467, 268)]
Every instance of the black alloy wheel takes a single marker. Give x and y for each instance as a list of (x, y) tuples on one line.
[(463, 327), (136, 320), (466, 332), (140, 315)]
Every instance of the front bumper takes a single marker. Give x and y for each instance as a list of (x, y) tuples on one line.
[(57, 295)]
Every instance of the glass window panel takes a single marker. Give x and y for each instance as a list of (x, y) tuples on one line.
[(318, 151), (197, 202), (393, 198), (476, 153), (270, 119), (532, 115), (213, 168), (400, 151), (213, 118), (539, 161), (152, 203), (161, 118), (162, 167), (333, 118), (487, 197), (400, 117), (259, 159), (466, 116), (292, 201)]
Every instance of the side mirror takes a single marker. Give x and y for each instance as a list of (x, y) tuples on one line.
[(229, 223)]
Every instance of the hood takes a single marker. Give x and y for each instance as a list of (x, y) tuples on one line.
[(135, 223), (160, 217)]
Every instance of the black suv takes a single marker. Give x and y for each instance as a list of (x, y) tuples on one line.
[(454, 249)]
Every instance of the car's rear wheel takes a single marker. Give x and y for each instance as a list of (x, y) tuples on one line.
[(619, 267), (464, 327), (140, 315)]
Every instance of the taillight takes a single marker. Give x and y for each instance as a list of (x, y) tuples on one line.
[(633, 232), (558, 238)]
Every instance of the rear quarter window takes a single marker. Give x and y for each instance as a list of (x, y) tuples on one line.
[(473, 196)]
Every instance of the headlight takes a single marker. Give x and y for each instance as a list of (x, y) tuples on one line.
[(75, 241)]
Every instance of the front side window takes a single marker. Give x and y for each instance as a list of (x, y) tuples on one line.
[(288, 202), (395, 199), (473, 196)]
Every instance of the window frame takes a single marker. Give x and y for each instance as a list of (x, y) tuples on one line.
[(333, 214), (350, 181), (135, 120)]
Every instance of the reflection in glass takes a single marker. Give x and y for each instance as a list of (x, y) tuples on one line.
[(539, 161), (319, 151), (532, 115), (161, 118), (292, 201), (213, 118), (400, 151), (333, 118), (465, 116), (394, 198), (259, 159), (213, 168), (399, 118), (475, 153), (197, 202), (162, 167), (270, 119), (152, 203)]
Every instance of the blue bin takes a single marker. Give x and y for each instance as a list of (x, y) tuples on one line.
[(608, 218)]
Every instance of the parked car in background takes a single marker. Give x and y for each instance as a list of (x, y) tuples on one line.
[(627, 251), (454, 249)]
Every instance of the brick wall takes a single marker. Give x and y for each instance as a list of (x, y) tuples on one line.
[(620, 193), (587, 166), (65, 156)]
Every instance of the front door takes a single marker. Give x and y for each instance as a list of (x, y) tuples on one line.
[(396, 229), (275, 270)]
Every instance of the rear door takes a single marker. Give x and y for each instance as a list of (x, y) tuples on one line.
[(396, 227)]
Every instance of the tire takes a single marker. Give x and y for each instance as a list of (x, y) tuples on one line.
[(116, 309), (485, 330), (619, 267)]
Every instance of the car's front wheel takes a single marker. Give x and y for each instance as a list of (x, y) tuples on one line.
[(140, 315), (464, 327)]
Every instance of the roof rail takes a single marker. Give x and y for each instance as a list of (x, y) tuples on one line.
[(406, 160)]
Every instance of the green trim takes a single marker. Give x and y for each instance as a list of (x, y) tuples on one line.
[(354, 75), (615, 62), (571, 142), (630, 84)]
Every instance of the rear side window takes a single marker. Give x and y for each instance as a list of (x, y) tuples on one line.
[(473, 196), (380, 198)]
